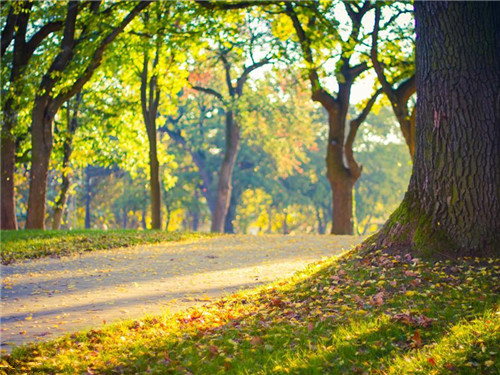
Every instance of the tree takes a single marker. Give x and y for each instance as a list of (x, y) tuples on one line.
[(21, 16), (195, 123), (233, 130), (342, 169), (452, 204), (56, 87)]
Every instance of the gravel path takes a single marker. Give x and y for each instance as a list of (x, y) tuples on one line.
[(46, 298)]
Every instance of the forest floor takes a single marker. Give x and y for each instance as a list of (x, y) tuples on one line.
[(45, 298)]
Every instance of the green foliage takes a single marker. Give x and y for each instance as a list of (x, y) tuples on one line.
[(31, 244), (388, 313)]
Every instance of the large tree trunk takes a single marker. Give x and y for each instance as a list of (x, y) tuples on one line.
[(41, 141), (226, 173), (342, 205), (452, 204), (342, 177), (8, 162)]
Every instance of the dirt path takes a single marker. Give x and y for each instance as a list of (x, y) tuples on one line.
[(46, 298)]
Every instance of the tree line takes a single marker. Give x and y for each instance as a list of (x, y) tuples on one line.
[(174, 50)]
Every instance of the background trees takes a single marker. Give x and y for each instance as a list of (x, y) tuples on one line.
[(231, 138)]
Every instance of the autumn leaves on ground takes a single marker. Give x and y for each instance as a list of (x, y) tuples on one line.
[(373, 313)]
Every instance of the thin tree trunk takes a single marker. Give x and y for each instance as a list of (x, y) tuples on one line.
[(72, 125), (143, 220), (88, 218), (452, 204), (124, 218), (150, 97), (321, 222), (367, 224), (231, 215), (169, 213), (226, 173), (270, 219), (196, 220), (154, 174), (61, 202), (285, 224)]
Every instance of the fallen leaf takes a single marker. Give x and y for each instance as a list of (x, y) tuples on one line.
[(416, 339), (256, 341)]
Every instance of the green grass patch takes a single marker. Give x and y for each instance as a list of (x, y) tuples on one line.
[(372, 314), (30, 244)]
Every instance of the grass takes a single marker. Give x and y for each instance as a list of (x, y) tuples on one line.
[(31, 244), (373, 314)]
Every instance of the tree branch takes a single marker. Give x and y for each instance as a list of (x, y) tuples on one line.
[(8, 30), (224, 5), (356, 70), (377, 66), (209, 91), (40, 36), (98, 54), (368, 107), (244, 76), (227, 69), (354, 125), (406, 89), (318, 93)]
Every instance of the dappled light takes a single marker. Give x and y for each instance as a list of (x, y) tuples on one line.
[(250, 187)]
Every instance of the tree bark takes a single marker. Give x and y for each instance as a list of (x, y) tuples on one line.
[(169, 214), (8, 163), (231, 215), (88, 198), (321, 221), (452, 204), (285, 223), (196, 220), (124, 218), (154, 178), (224, 186), (41, 148), (143, 219)]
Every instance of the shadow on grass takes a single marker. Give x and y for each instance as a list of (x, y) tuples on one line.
[(325, 321)]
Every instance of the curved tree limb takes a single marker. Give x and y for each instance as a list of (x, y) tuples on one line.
[(209, 91), (319, 94), (354, 167)]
